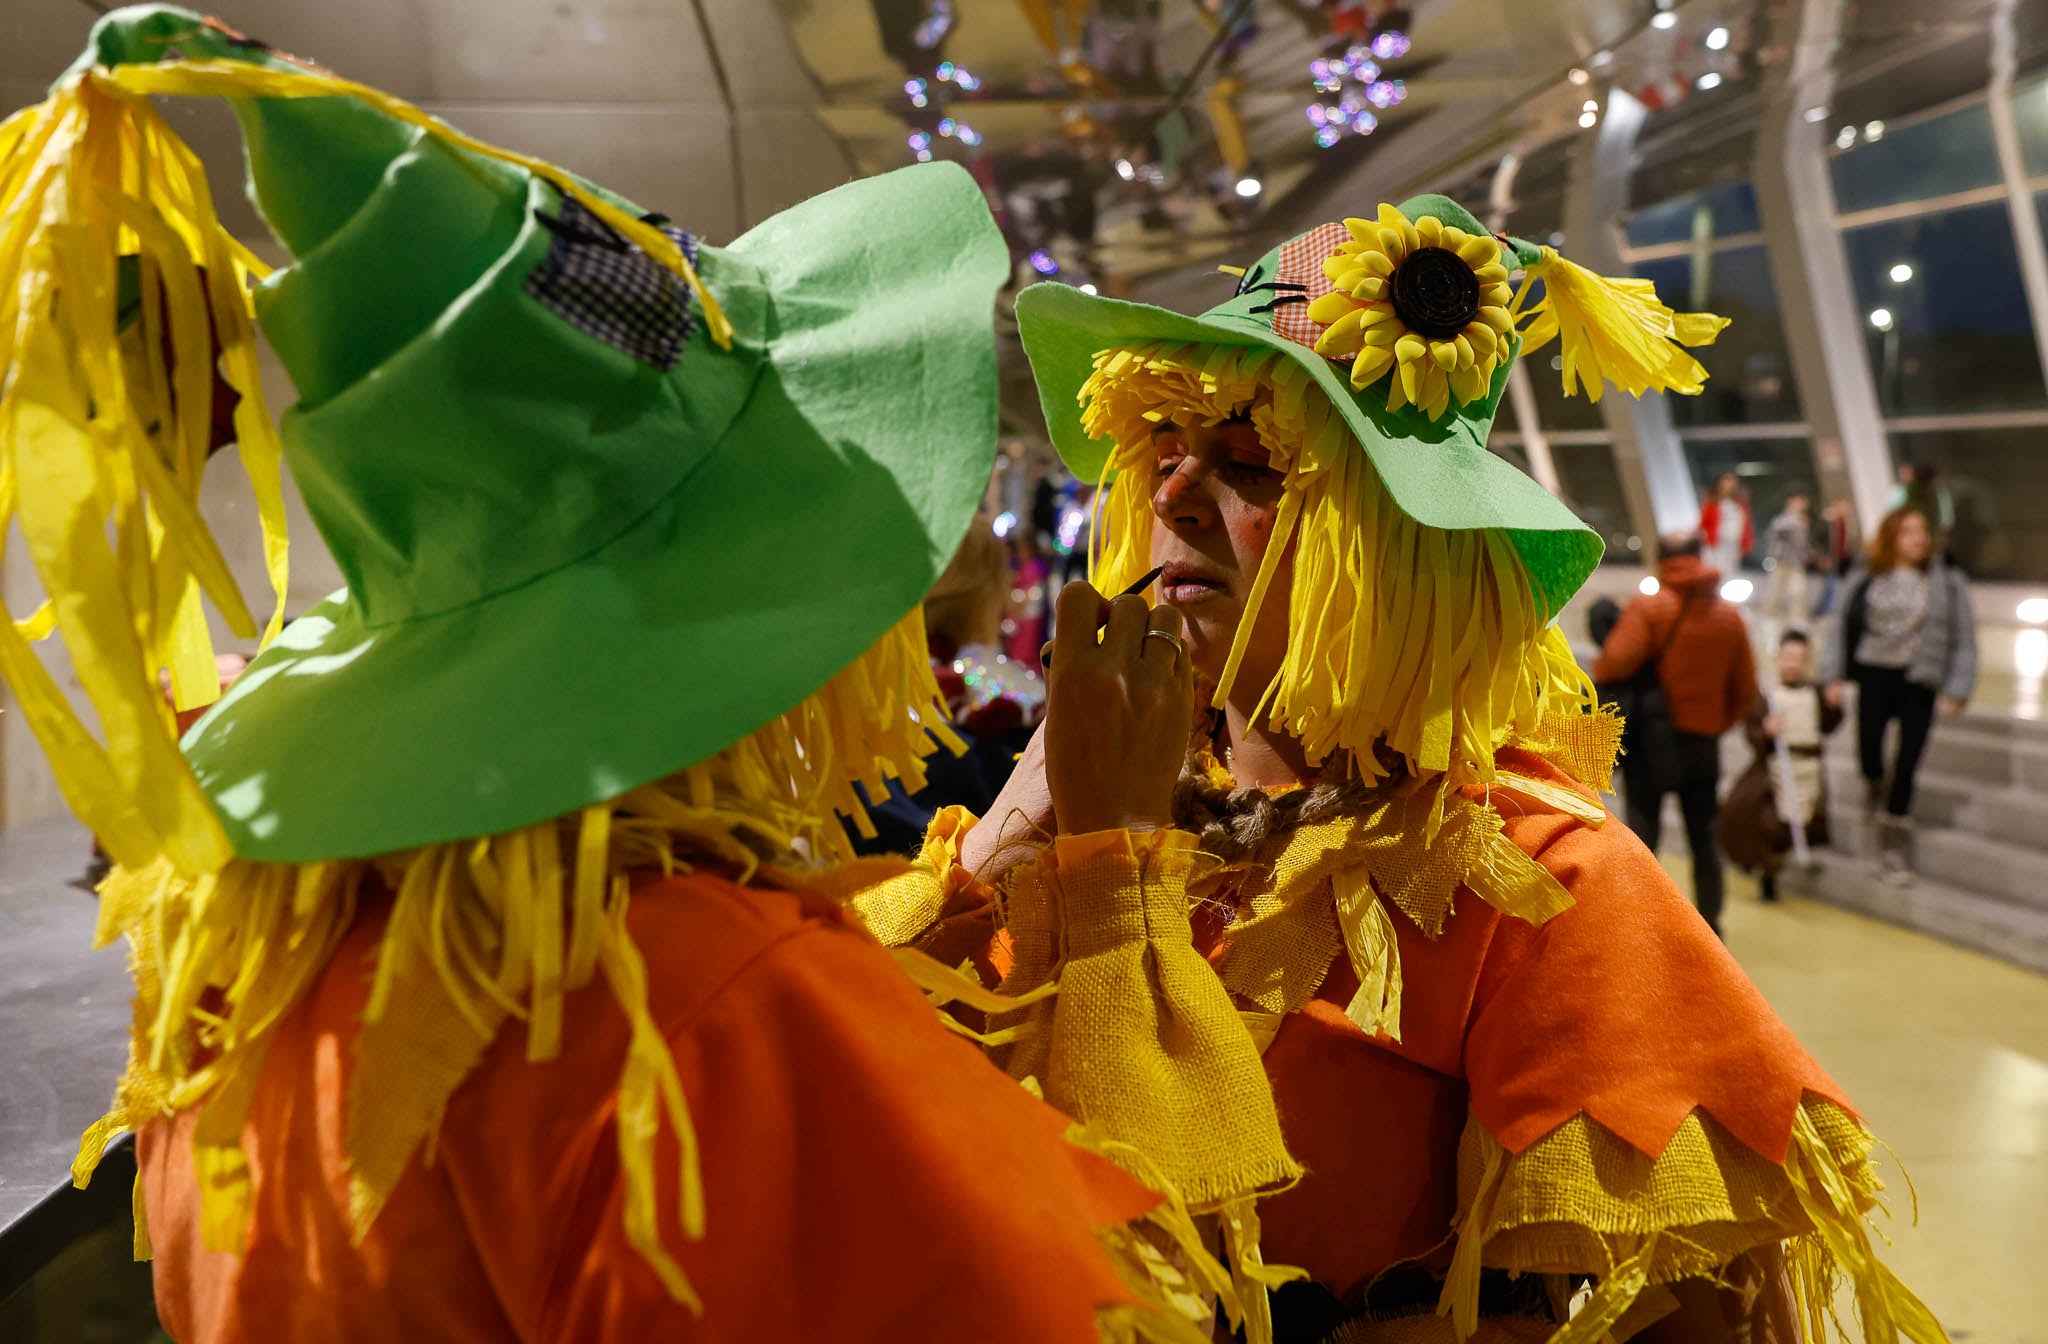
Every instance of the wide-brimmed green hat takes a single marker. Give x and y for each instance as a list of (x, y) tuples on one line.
[(1437, 469), (586, 544)]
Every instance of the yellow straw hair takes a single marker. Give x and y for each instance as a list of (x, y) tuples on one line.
[(1428, 641), (101, 456), (479, 931)]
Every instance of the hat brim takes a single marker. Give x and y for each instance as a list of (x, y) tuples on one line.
[(1440, 473), (819, 520)]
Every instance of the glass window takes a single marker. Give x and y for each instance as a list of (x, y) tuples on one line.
[(1730, 208), (1951, 152), (2030, 111), (1749, 370), (1592, 487), (1995, 483), (1943, 312), (1770, 470)]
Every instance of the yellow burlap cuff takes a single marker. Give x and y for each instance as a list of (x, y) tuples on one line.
[(1142, 1042), (900, 904)]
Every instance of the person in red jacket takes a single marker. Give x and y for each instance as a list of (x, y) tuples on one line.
[(1726, 528), (1699, 645)]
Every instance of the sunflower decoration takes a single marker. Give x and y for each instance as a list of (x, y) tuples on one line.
[(1423, 300)]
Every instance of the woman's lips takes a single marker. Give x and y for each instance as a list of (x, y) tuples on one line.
[(1181, 589)]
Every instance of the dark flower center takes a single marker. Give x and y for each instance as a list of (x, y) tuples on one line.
[(1435, 293)]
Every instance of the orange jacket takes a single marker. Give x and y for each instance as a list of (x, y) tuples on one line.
[(1708, 670), (868, 1176)]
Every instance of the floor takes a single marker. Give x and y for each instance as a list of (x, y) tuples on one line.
[(1946, 1053)]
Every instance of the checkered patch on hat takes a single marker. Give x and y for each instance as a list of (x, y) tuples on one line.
[(604, 286), (1301, 263)]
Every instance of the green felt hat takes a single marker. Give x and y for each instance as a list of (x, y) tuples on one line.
[(585, 545), (1437, 470)]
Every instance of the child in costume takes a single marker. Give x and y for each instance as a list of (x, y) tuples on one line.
[(1510, 1066), (1781, 786), (492, 982)]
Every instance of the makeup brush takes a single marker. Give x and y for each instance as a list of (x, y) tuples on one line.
[(1045, 654)]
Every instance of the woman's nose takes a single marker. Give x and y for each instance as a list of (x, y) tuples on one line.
[(1183, 500)]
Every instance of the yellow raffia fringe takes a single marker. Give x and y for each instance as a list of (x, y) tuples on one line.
[(479, 931), (101, 454), (1582, 1201), (1168, 1258), (1616, 330), (1429, 641)]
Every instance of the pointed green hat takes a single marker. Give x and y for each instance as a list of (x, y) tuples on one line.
[(586, 544), (1436, 468)]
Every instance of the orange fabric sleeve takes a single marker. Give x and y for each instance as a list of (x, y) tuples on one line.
[(868, 1176), (1625, 1007)]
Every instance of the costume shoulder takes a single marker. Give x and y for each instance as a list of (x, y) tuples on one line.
[(1626, 1008), (867, 1175), (1639, 1114)]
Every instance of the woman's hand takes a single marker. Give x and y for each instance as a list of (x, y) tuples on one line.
[(1948, 707), (1833, 695), (1117, 713)]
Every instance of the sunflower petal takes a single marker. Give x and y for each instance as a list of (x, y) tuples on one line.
[(1479, 250), (1445, 353), (1370, 287), (1342, 336), (1430, 230), (1330, 307), (1392, 218), (1371, 365)]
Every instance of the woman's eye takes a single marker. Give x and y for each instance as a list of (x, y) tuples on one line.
[(1253, 472)]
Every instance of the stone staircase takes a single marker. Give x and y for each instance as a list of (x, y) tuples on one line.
[(1980, 850)]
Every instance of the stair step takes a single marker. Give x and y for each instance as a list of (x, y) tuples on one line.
[(2010, 933), (2008, 873)]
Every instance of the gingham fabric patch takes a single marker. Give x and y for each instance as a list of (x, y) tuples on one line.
[(1301, 263), (605, 287)]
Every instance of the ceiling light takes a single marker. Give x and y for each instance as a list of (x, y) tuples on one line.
[(1601, 59), (1816, 114), (1901, 272), (1590, 105), (1717, 40), (1248, 187), (1710, 80), (1649, 586), (1124, 169), (1664, 20), (1873, 131), (1737, 590), (1589, 119), (1088, 289), (2034, 611), (1881, 318), (1845, 138), (1580, 75)]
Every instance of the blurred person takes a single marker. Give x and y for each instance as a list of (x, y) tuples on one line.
[(1024, 621), (494, 979), (1372, 894), (1788, 551), (1762, 805), (1727, 532), (1908, 640), (1837, 552), (1698, 645), (1920, 486)]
